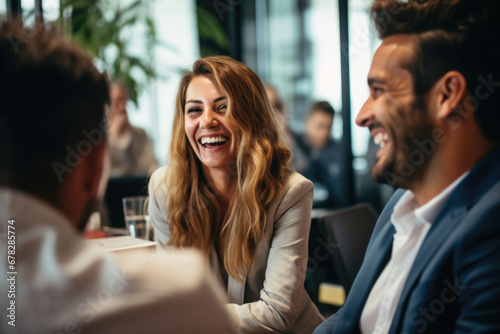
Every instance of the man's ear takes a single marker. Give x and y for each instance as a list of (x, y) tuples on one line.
[(451, 91)]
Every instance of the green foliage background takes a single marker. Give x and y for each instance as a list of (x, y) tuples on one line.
[(98, 25), (102, 25)]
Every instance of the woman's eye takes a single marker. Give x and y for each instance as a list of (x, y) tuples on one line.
[(191, 110), (222, 106)]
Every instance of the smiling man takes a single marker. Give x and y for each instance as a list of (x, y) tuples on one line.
[(433, 262)]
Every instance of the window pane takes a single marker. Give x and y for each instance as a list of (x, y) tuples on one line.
[(362, 44), (294, 45), (50, 10)]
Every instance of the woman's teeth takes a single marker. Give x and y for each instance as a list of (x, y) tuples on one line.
[(213, 140)]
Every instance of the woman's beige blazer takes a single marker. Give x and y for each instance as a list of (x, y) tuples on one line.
[(272, 298)]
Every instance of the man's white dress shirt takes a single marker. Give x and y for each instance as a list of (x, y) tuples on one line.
[(411, 223), (64, 285)]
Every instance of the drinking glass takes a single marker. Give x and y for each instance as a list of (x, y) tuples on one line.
[(136, 217)]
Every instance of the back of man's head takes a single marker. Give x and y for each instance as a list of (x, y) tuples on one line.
[(52, 111), (459, 35)]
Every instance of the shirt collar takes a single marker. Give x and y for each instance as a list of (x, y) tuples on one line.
[(430, 210), (408, 214)]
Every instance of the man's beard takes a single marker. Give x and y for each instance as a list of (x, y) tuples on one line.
[(91, 206), (407, 127)]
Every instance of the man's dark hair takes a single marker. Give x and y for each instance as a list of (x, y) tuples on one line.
[(323, 106), (459, 35), (52, 106)]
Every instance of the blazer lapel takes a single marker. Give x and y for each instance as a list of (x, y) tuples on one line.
[(236, 290), (214, 264)]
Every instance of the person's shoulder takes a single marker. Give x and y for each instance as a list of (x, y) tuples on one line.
[(298, 191), (296, 180), (175, 274), (332, 147), (157, 184), (139, 134), (158, 175), (139, 131), (479, 194), (300, 140), (178, 283), (296, 187), (483, 214)]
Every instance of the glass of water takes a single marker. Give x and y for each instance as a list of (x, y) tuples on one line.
[(136, 218)]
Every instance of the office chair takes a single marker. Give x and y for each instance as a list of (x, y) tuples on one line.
[(117, 189), (349, 231)]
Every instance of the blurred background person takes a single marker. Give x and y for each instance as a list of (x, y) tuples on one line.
[(230, 191), (130, 149), (277, 103), (321, 155), (132, 158), (281, 115), (298, 157)]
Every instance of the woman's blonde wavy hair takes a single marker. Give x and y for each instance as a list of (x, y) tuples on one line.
[(261, 167)]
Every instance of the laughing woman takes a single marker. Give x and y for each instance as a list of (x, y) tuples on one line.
[(230, 192)]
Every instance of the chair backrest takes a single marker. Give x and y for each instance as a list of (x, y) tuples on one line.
[(349, 231), (117, 189)]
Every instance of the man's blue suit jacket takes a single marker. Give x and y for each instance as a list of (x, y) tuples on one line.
[(454, 284)]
